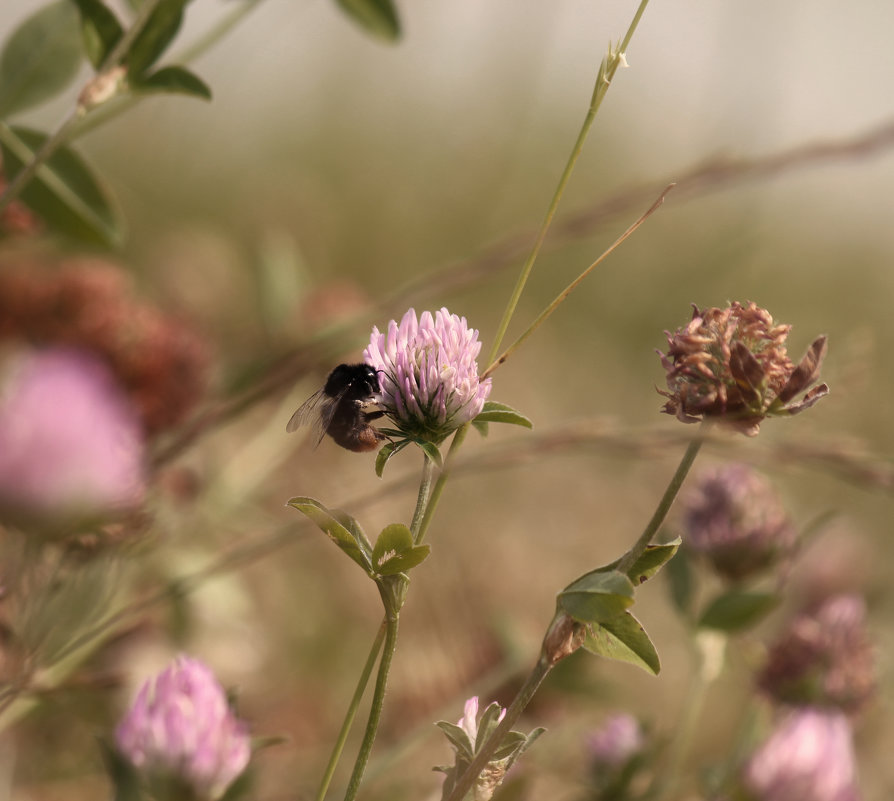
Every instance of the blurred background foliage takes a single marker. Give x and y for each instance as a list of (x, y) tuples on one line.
[(331, 169)]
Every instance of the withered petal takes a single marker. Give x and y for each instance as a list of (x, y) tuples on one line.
[(806, 372), (808, 400), (747, 372)]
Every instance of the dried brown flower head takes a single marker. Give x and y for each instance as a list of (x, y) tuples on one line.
[(824, 657), (730, 364), (159, 360)]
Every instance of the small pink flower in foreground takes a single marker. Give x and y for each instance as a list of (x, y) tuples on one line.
[(469, 721), (429, 376), (730, 365), (734, 518), (808, 757), (824, 657), (467, 737), (70, 444), (181, 727)]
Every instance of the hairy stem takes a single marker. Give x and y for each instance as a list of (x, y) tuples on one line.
[(607, 70), (422, 500), (663, 508), (352, 712), (375, 712)]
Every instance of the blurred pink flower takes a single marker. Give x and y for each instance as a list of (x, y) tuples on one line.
[(824, 656), (429, 376), (808, 757), (181, 725), (734, 518), (70, 444), (616, 741)]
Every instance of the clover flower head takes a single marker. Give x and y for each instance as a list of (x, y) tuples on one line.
[(428, 373), (730, 365), (71, 447), (824, 657), (181, 726), (734, 518), (808, 757)]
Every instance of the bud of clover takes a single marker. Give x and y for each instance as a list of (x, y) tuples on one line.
[(824, 657), (730, 365), (181, 733), (468, 735), (734, 518), (428, 374)]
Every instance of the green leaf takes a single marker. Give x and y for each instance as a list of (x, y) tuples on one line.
[(737, 610), (40, 58), (681, 582), (378, 17), (343, 536), (624, 640), (597, 597), (175, 80), (458, 737), (386, 452), (431, 451), (64, 193), (154, 37), (395, 552), (124, 777), (481, 427), (488, 721), (100, 30), (494, 412), (652, 560)]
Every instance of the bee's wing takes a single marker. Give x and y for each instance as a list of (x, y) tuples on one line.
[(316, 411)]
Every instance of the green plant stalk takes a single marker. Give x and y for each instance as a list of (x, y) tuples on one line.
[(561, 297), (204, 43), (438, 489), (378, 701), (64, 132), (513, 713), (352, 712), (388, 630), (663, 508), (667, 780), (422, 500), (607, 70), (78, 122)]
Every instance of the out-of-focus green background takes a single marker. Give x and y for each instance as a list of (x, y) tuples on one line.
[(329, 162)]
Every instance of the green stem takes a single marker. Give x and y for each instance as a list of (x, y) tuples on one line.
[(205, 42), (607, 70), (664, 506), (45, 151), (706, 670), (560, 298), (422, 501), (513, 713), (375, 712), (78, 123), (352, 712), (438, 490), (66, 129)]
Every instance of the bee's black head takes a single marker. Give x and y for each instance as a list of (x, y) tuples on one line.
[(361, 380)]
